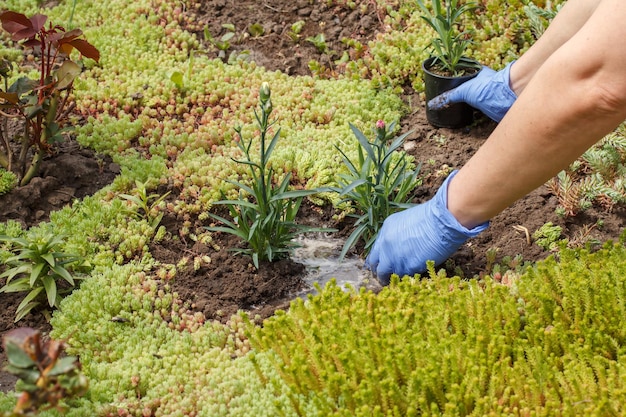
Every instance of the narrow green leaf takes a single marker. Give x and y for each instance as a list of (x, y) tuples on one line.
[(18, 285), (23, 310), (50, 286), (64, 273), (365, 144), (48, 257), (36, 273)]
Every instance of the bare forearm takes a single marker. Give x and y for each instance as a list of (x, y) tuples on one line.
[(568, 21)]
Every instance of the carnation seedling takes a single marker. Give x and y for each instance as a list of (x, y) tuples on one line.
[(146, 206), (449, 45), (379, 183), (267, 222)]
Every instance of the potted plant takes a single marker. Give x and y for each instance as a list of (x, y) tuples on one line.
[(448, 66)]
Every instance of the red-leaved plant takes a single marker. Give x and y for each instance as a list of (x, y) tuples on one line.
[(48, 377), (41, 107)]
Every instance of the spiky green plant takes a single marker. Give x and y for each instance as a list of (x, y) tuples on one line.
[(36, 268), (147, 206), (449, 45), (267, 223), (379, 182)]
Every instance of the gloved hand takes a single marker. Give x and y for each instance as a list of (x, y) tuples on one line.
[(411, 237), (488, 92)]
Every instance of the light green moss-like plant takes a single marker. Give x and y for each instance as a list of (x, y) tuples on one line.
[(551, 342), (8, 181)]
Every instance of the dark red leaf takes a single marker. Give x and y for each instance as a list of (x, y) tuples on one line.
[(38, 21), (86, 49), (26, 33), (72, 34), (13, 22), (31, 43), (55, 37)]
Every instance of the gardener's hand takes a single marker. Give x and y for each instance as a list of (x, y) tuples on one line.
[(489, 92), (411, 237)]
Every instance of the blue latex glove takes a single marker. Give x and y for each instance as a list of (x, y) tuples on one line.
[(411, 237), (488, 92)]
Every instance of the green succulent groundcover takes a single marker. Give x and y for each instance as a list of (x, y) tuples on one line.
[(548, 341)]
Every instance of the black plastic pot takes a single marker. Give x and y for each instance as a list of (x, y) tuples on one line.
[(455, 115)]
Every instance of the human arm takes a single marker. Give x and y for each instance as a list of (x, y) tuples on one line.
[(569, 105), (575, 98)]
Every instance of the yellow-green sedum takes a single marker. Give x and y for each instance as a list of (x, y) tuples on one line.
[(551, 342), (142, 349)]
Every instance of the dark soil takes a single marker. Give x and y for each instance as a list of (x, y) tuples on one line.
[(230, 282)]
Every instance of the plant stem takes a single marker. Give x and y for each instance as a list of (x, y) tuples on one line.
[(34, 167), (43, 141)]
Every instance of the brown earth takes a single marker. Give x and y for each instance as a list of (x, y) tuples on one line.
[(230, 282)]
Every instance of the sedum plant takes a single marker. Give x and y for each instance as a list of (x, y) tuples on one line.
[(7, 181), (550, 342), (36, 268), (40, 106), (548, 236), (267, 223), (378, 183)]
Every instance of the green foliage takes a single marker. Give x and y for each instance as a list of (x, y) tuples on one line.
[(224, 43), (143, 349), (36, 268), (181, 79), (547, 236), (449, 46), (147, 206), (256, 30), (109, 135), (8, 180), (46, 378), (266, 224), (319, 41), (596, 178), (379, 182), (550, 342), (41, 105), (539, 17), (295, 30)]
